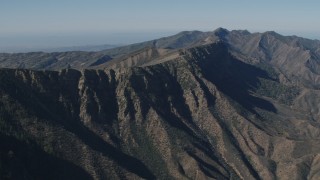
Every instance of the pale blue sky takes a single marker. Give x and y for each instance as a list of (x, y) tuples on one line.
[(81, 22)]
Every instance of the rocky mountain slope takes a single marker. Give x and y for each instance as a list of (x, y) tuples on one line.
[(216, 105)]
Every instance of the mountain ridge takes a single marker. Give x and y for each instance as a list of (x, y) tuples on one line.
[(226, 108)]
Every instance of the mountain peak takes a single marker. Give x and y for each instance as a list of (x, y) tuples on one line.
[(221, 32)]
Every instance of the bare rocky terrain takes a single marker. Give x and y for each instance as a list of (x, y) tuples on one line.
[(196, 105)]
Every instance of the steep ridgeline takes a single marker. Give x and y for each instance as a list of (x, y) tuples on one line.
[(203, 114), (298, 59)]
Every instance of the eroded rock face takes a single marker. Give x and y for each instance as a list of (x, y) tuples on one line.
[(202, 115)]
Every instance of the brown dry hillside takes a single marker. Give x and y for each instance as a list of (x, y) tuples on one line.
[(197, 105)]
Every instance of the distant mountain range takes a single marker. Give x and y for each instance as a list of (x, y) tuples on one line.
[(17, 49), (195, 105)]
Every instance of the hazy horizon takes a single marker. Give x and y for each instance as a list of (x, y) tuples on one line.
[(68, 40), (32, 42), (63, 23)]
